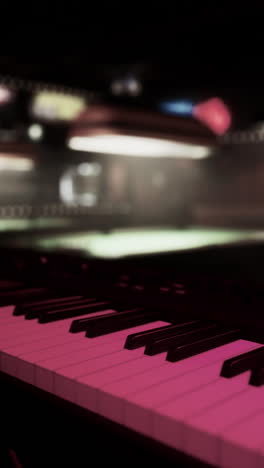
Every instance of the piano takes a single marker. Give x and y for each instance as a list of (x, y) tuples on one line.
[(128, 362), (130, 345)]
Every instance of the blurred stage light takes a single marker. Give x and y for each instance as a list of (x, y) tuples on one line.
[(215, 114), (5, 94), (66, 189), (117, 87), (179, 107), (129, 85), (9, 162), (133, 86), (79, 185), (35, 132), (138, 146), (48, 105), (89, 169)]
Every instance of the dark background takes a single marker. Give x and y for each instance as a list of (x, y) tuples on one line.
[(185, 48)]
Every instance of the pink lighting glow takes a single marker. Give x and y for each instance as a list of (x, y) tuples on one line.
[(215, 114), (5, 94)]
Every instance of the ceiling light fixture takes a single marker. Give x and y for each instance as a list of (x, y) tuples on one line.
[(138, 146), (116, 130)]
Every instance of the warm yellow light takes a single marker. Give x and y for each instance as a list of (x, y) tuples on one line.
[(138, 146), (15, 163), (57, 106), (35, 132)]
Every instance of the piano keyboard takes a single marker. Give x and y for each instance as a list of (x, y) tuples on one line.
[(193, 385)]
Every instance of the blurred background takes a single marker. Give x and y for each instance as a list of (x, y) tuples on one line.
[(172, 147)]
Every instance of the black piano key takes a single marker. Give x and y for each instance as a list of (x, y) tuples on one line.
[(61, 314), (136, 340), (119, 321), (257, 376), (80, 325), (22, 295), (180, 337), (53, 306), (26, 307), (197, 347), (239, 364)]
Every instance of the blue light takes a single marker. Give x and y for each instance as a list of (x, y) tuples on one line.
[(177, 107)]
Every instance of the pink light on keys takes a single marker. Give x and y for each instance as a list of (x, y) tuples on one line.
[(215, 114)]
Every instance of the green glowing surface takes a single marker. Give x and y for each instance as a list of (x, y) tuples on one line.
[(119, 243), (23, 224)]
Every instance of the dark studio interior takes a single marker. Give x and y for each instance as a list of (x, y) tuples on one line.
[(132, 239)]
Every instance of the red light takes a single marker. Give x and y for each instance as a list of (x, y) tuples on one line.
[(215, 114)]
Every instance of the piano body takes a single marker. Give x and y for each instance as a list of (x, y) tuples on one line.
[(122, 342)]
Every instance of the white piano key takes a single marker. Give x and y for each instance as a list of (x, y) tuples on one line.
[(261, 448), (117, 394), (168, 419), (242, 445), (140, 408), (37, 363), (202, 434), (41, 344), (23, 333), (58, 374), (89, 385), (6, 312), (68, 381), (30, 338), (11, 324), (17, 360), (137, 390), (20, 328)]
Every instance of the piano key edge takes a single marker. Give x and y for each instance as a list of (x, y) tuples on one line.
[(41, 409)]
